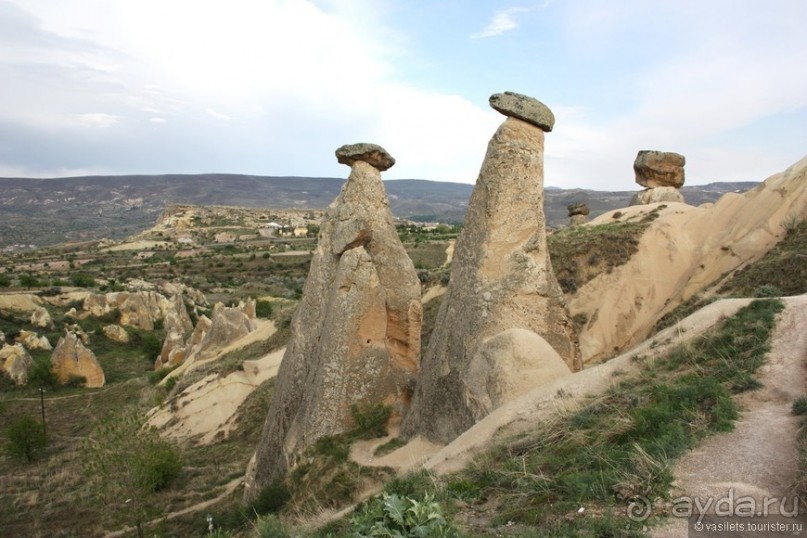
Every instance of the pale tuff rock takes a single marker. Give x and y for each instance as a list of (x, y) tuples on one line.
[(41, 318), (71, 359), (501, 279), (15, 361), (116, 333), (508, 365), (33, 341), (523, 108), (656, 195), (140, 309), (659, 169), (78, 331), (356, 335)]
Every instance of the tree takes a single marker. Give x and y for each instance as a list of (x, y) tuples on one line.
[(82, 280), (130, 463), (28, 281), (4, 281), (26, 439)]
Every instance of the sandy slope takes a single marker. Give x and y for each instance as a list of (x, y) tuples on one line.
[(543, 402), (683, 251)]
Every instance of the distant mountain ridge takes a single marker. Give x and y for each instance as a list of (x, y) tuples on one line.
[(49, 211)]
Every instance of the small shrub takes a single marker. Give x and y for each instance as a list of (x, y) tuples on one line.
[(800, 406), (269, 526), (271, 498), (82, 280), (26, 439), (4, 281), (371, 420), (617, 215), (391, 515), (161, 466), (767, 290), (75, 381), (263, 309), (41, 376), (170, 383)]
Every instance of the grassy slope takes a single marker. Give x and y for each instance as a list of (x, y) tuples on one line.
[(616, 449)]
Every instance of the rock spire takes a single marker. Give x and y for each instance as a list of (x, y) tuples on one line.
[(356, 335), (501, 280)]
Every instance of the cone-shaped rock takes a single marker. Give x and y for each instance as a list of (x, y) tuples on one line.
[(71, 359), (501, 279), (356, 335)]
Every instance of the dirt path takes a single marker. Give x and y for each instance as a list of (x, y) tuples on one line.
[(759, 458), (228, 489)]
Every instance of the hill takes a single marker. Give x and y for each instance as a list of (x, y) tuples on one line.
[(50, 211)]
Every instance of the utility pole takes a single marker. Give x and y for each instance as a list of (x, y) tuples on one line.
[(42, 406)]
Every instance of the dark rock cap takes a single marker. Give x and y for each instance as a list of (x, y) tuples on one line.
[(372, 154), (577, 209), (659, 169), (524, 108)]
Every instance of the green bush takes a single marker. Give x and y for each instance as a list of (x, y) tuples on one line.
[(29, 281), (82, 280), (371, 420), (391, 515), (271, 498), (767, 290), (41, 376), (161, 466), (269, 526), (263, 309), (4, 281), (26, 439), (800, 406)]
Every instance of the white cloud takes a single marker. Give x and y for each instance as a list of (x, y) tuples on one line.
[(98, 119), (502, 21), (216, 114), (158, 120)]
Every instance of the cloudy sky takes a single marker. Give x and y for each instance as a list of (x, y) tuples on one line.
[(273, 87)]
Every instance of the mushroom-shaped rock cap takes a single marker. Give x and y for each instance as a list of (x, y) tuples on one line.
[(372, 154), (524, 108), (577, 209)]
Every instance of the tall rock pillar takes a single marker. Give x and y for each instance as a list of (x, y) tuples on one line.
[(503, 294), (356, 335)]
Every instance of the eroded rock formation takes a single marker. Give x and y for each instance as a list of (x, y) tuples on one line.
[(356, 335), (41, 318), (578, 214), (33, 341), (15, 361), (501, 279), (116, 333), (662, 175), (71, 359)]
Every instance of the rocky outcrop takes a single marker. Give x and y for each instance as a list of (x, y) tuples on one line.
[(356, 335), (116, 333), (41, 318), (71, 359), (501, 279), (662, 175), (509, 364), (578, 214), (140, 309), (33, 341), (657, 195), (15, 362)]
